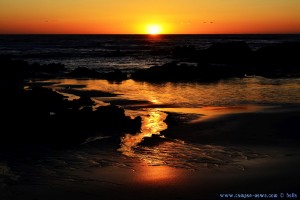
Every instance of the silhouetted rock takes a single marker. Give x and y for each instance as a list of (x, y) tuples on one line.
[(279, 54), (83, 72), (135, 125), (12, 69), (115, 117), (12, 74), (183, 72), (111, 120), (111, 112), (227, 60), (82, 102), (228, 53), (188, 51), (116, 75), (18, 70), (281, 60), (47, 117), (169, 71), (46, 98)]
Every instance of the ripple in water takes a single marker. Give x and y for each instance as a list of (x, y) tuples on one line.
[(177, 153), (194, 156), (152, 124)]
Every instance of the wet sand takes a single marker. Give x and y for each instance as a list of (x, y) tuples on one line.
[(86, 174), (237, 125), (207, 151), (273, 175)]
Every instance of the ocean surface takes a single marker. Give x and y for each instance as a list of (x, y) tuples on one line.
[(124, 52)]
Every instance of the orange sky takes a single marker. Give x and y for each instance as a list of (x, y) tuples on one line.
[(133, 16)]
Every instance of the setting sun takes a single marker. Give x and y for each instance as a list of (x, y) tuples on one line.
[(134, 17), (154, 29)]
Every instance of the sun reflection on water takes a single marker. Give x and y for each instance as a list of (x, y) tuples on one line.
[(207, 100), (152, 123)]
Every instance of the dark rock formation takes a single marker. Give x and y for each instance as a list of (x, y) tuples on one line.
[(188, 51), (42, 116), (45, 116), (227, 60), (84, 102), (221, 60), (18, 69), (12, 74), (281, 54), (281, 60), (83, 72), (183, 72), (228, 53), (116, 75)]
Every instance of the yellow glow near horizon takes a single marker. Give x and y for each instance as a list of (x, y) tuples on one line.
[(154, 29)]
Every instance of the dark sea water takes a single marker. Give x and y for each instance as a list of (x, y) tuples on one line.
[(124, 52), (131, 52)]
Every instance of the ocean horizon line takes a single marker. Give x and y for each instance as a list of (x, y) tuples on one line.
[(133, 34)]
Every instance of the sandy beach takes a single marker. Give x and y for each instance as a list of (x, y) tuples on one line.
[(260, 152)]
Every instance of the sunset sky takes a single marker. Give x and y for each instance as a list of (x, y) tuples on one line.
[(135, 16)]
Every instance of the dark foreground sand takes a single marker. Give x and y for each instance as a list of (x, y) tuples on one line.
[(76, 174)]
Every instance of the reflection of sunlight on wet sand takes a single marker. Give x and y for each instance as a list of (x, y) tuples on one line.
[(157, 174), (159, 163), (153, 123), (70, 97), (225, 93), (211, 112)]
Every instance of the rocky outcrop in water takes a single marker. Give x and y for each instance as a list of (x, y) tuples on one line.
[(184, 72), (18, 69), (227, 53), (43, 116), (226, 60), (116, 75), (220, 61)]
